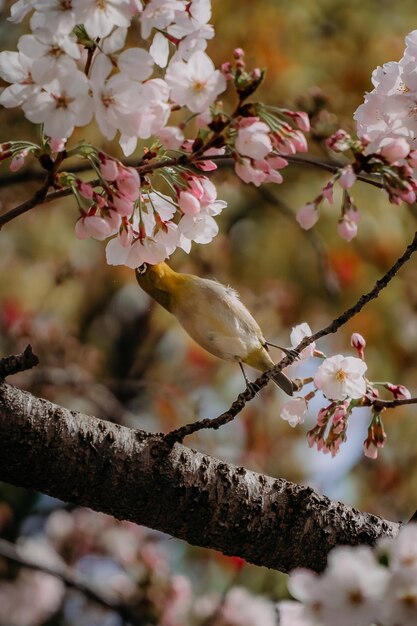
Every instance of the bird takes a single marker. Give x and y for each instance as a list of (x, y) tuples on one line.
[(213, 315)]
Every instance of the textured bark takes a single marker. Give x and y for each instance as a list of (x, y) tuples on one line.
[(136, 476)]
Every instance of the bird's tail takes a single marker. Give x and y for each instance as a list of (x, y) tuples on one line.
[(285, 383)]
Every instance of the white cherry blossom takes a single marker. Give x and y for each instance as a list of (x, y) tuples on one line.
[(50, 52), (159, 14), (294, 411), (99, 18), (195, 83), (340, 377), (63, 104), (16, 68), (58, 16)]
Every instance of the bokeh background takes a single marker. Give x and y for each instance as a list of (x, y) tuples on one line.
[(105, 349)]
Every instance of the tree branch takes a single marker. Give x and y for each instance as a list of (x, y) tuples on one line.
[(136, 476), (15, 363), (250, 392)]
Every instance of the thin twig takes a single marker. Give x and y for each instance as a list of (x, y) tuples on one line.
[(249, 393), (39, 197), (379, 404), (330, 166), (15, 363), (19, 555)]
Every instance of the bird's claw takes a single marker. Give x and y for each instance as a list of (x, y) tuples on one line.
[(252, 388)]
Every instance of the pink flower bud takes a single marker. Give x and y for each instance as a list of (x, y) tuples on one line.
[(339, 141), (327, 192), (395, 149), (85, 189), (128, 182), (122, 204), (400, 392), (359, 343), (92, 226), (188, 203), (238, 53), (206, 166), (347, 229), (347, 177), (58, 144), (226, 70), (370, 450), (108, 168), (412, 158), (18, 161), (307, 216)]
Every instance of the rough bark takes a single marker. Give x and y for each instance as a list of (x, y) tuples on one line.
[(137, 476)]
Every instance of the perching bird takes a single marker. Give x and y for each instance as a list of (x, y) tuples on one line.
[(213, 316)]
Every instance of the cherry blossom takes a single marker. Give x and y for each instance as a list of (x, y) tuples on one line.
[(195, 83), (253, 138), (359, 343), (340, 377), (307, 216), (294, 411), (50, 52), (298, 333), (99, 18), (94, 226), (63, 104), (58, 16), (16, 68), (159, 14)]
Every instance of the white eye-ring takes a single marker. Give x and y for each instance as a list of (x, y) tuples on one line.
[(142, 268)]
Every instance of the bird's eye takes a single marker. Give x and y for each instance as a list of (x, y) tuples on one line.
[(142, 268)]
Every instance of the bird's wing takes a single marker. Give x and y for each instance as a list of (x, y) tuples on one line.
[(214, 317)]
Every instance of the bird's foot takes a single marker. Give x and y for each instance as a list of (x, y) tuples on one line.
[(252, 388), (291, 352)]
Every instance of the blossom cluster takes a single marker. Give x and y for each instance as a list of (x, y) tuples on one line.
[(124, 563), (392, 166), (361, 586), (76, 66), (387, 146), (342, 381)]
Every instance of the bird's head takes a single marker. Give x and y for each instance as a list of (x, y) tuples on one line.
[(158, 281)]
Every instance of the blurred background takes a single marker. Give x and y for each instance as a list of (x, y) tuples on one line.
[(106, 350)]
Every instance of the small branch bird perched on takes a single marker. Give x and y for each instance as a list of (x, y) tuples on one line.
[(213, 316)]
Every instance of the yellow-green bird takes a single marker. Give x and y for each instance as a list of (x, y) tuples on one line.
[(213, 316)]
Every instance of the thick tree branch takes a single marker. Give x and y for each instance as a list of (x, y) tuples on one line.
[(136, 476), (15, 363)]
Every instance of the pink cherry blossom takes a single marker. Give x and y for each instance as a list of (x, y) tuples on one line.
[(253, 139), (93, 226)]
